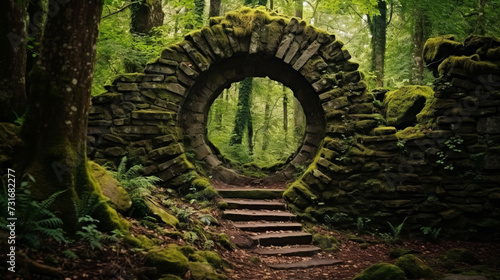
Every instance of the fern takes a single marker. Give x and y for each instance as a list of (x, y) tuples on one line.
[(396, 230), (35, 220), (138, 187)]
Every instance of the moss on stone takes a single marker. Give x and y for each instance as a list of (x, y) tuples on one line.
[(244, 20), (203, 271), (299, 195), (111, 188), (381, 271), (210, 257), (327, 243), (456, 256), (408, 105), (226, 242), (413, 132), (170, 277), (437, 48), (414, 267), (158, 210), (167, 260), (140, 241), (472, 64)]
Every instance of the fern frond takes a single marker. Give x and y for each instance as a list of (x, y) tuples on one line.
[(52, 222), (122, 167)]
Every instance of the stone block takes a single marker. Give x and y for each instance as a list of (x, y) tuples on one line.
[(164, 152), (489, 125), (397, 203)]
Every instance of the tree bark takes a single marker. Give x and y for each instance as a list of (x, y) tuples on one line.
[(285, 114), (299, 9), (37, 13), (378, 30), (214, 8), (146, 15), (12, 59), (55, 130), (299, 119), (241, 120), (419, 38)]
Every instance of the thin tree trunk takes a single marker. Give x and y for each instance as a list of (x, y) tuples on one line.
[(419, 38), (146, 15), (285, 114), (214, 8), (299, 8), (55, 130), (267, 122), (12, 59), (37, 12), (378, 30), (299, 119), (243, 113)]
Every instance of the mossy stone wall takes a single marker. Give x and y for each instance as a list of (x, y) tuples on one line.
[(442, 174)]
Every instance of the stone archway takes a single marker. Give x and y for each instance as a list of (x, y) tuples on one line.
[(159, 114)]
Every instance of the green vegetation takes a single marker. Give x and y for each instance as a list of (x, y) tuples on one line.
[(274, 133), (137, 186), (409, 105)]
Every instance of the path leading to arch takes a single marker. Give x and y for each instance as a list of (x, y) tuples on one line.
[(275, 234)]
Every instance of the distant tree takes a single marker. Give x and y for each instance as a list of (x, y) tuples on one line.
[(146, 15)]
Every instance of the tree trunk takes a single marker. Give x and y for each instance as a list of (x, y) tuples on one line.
[(12, 59), (481, 20), (419, 38), (299, 120), (146, 15), (299, 9), (55, 130), (243, 113), (214, 8), (378, 30), (285, 114), (37, 13), (267, 122)]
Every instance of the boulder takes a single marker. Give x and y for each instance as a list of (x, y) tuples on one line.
[(381, 271), (409, 105), (414, 267), (111, 188)]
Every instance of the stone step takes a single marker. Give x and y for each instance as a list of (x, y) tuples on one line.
[(282, 239), (256, 215), (305, 264), (235, 203), (262, 226), (303, 251), (251, 193)]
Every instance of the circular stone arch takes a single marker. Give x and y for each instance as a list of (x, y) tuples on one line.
[(255, 43)]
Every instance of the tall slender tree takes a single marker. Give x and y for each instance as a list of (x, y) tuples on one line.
[(378, 29), (146, 15)]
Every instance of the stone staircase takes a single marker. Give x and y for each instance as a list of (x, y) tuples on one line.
[(262, 213)]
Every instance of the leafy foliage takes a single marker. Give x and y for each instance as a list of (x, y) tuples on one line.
[(137, 186), (91, 234), (34, 219), (271, 142)]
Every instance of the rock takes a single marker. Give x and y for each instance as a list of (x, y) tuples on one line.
[(408, 105), (325, 242), (464, 277), (111, 188), (381, 271), (457, 255), (170, 277), (158, 210), (167, 260), (414, 267), (203, 271), (398, 252), (489, 125)]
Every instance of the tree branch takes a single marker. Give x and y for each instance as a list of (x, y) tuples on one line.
[(390, 15), (121, 9)]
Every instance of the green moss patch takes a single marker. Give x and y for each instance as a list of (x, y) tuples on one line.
[(381, 271), (414, 267), (438, 48), (167, 261), (409, 105), (203, 271), (472, 64)]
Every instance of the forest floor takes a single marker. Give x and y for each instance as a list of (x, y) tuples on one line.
[(122, 260)]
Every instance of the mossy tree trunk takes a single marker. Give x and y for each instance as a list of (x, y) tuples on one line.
[(37, 14), (243, 116), (299, 8), (12, 59), (214, 10), (378, 30), (146, 15), (55, 130), (420, 31)]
